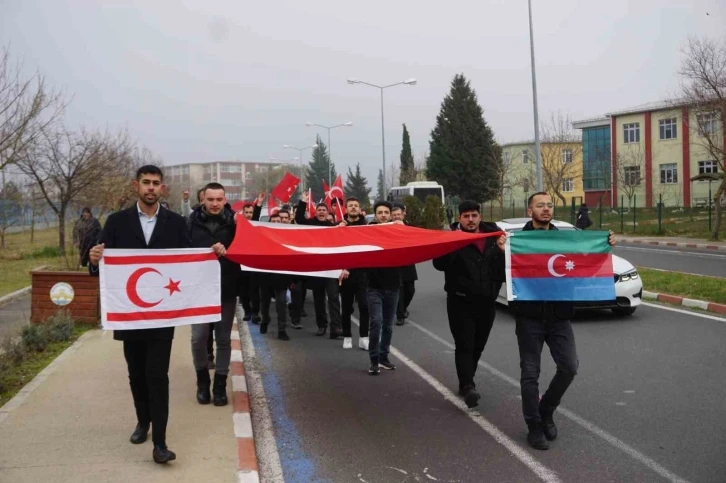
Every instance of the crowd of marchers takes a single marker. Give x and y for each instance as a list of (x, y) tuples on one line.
[(474, 275)]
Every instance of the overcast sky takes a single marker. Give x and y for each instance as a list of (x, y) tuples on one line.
[(215, 80)]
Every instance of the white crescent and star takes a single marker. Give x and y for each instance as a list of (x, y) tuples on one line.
[(569, 265)]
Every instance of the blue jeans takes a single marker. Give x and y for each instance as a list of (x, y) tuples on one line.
[(382, 306)]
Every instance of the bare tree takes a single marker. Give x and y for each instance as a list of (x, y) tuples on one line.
[(703, 89), (11, 208), (27, 106), (419, 166), (560, 149), (64, 164), (269, 177), (629, 169), (393, 175)]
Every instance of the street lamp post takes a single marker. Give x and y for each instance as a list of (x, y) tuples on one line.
[(302, 163), (409, 82), (330, 156), (537, 151)]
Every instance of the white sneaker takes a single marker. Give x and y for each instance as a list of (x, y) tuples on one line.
[(348, 343), (363, 343)]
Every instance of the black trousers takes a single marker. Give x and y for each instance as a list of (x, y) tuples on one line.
[(354, 290), (148, 365), (405, 295), (243, 291), (210, 342), (322, 288), (255, 292), (297, 294), (470, 321), (532, 334), (280, 306)]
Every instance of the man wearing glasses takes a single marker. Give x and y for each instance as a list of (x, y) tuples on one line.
[(538, 323)]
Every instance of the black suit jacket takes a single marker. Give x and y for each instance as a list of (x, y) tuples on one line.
[(123, 230)]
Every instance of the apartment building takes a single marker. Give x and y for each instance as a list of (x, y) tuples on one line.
[(236, 176), (561, 166), (640, 155)]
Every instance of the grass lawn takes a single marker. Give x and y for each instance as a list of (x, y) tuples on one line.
[(711, 289), (15, 378), (21, 256)]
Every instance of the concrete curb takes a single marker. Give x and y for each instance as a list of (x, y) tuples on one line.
[(673, 244), (685, 302), (247, 465)]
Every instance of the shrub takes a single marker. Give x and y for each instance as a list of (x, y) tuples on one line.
[(414, 211), (13, 350), (434, 214), (35, 337), (59, 326), (45, 252)]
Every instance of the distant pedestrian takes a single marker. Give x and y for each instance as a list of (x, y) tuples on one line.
[(583, 218), (409, 275), (85, 234)]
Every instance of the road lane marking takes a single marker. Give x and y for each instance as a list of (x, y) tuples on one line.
[(673, 252), (614, 441), (543, 473), (681, 311)]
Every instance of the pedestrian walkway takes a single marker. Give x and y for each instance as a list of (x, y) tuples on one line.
[(75, 425), (681, 242), (14, 314)]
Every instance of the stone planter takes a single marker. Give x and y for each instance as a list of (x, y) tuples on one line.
[(76, 292)]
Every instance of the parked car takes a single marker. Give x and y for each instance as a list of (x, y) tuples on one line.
[(628, 285), (369, 218)]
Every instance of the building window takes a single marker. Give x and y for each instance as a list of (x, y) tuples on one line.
[(224, 168), (668, 128), (185, 170), (669, 173), (525, 156), (631, 133), (568, 185), (707, 167), (507, 158), (707, 124), (567, 156), (632, 175)]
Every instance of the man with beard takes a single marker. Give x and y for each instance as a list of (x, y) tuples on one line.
[(408, 273), (322, 286), (354, 287), (212, 225), (473, 276), (147, 351), (539, 323)]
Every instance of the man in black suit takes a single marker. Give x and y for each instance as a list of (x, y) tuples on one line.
[(147, 351)]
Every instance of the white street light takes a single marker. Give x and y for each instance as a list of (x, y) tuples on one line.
[(408, 82), (302, 162), (537, 151), (330, 158)]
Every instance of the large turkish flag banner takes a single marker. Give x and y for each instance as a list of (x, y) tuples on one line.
[(148, 289)]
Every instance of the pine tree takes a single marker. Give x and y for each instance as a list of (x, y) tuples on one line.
[(463, 152), (408, 173), (318, 170), (356, 185), (380, 196)]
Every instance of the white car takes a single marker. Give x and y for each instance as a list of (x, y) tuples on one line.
[(628, 285)]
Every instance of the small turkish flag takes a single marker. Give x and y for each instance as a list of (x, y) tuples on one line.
[(286, 187), (148, 289), (272, 206)]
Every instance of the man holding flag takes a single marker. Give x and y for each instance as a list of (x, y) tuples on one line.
[(544, 315)]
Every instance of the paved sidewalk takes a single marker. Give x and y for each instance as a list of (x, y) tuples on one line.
[(681, 242), (75, 425), (13, 315)]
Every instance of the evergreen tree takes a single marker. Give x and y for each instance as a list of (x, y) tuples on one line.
[(408, 173), (357, 185), (317, 172), (463, 152), (380, 196)]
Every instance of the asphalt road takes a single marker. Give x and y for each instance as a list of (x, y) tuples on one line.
[(645, 406), (688, 260)]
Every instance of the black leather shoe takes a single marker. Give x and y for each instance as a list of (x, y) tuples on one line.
[(246, 318), (471, 398), (139, 434), (162, 455), (219, 390), (203, 382), (282, 335), (263, 328), (336, 334), (548, 424), (536, 437), (321, 331), (400, 321)]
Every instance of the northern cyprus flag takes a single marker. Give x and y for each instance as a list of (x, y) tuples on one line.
[(148, 289)]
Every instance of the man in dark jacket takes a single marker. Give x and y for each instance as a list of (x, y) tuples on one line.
[(583, 218), (147, 351), (213, 225), (321, 287), (248, 286), (408, 273), (538, 323), (274, 285), (354, 287), (85, 234), (474, 274), (382, 297)]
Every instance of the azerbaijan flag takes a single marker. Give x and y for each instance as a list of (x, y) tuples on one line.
[(559, 266)]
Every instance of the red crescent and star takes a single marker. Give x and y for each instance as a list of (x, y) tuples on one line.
[(133, 294)]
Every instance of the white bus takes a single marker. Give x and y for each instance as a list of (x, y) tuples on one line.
[(419, 189)]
